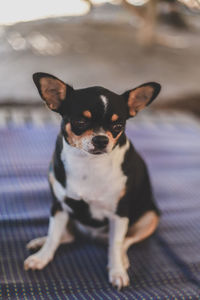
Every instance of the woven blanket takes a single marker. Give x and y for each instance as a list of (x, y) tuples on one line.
[(165, 266)]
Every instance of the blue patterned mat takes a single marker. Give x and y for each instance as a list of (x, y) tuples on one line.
[(166, 266)]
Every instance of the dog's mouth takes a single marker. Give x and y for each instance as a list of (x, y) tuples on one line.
[(97, 151)]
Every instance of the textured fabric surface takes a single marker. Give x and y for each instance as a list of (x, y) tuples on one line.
[(166, 266)]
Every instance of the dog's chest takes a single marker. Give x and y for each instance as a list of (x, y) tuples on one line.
[(98, 180)]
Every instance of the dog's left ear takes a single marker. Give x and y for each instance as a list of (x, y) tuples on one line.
[(52, 90), (138, 98)]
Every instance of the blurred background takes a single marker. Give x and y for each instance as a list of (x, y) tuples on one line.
[(119, 45), (116, 44)]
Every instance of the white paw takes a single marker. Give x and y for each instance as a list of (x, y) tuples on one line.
[(37, 261), (36, 243), (118, 278)]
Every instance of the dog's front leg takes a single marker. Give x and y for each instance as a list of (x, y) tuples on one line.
[(57, 227), (118, 227)]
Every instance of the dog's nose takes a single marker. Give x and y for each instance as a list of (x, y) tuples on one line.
[(100, 141)]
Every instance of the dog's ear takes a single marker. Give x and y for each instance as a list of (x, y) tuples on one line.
[(140, 97), (52, 90)]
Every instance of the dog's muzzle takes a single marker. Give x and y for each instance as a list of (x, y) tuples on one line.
[(100, 143)]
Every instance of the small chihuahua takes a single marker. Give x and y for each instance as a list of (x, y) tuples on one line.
[(97, 179)]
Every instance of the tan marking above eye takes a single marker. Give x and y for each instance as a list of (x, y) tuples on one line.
[(114, 117), (87, 114)]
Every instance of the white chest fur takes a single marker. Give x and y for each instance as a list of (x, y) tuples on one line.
[(97, 179)]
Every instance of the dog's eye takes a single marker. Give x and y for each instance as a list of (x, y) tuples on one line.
[(80, 124), (117, 127)]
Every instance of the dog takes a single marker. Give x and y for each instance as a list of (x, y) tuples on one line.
[(97, 179)]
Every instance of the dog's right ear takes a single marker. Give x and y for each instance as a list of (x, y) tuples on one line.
[(52, 90)]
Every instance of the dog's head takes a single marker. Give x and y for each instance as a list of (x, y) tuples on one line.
[(93, 119)]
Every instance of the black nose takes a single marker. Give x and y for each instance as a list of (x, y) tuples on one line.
[(100, 141)]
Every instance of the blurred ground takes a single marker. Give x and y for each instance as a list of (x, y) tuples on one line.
[(97, 49)]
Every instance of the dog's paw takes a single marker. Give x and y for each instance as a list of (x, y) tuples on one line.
[(118, 278), (37, 261), (36, 243)]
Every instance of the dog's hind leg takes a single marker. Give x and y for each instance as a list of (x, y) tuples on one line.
[(34, 244), (139, 231), (142, 229)]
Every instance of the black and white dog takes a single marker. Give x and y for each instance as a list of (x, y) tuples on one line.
[(97, 178)]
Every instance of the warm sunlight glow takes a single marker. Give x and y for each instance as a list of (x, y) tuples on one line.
[(137, 2), (98, 2), (193, 4), (22, 10)]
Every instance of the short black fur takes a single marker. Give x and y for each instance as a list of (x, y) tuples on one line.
[(57, 164), (138, 198), (81, 212)]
